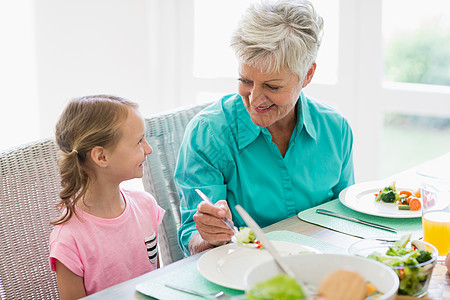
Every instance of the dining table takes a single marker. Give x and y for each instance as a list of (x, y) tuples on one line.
[(325, 233)]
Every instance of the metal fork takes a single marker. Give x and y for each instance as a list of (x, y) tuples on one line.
[(218, 295)]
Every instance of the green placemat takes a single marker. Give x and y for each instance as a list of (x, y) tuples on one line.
[(188, 276), (289, 236), (402, 225)]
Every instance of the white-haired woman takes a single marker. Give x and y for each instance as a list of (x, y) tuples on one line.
[(268, 148)]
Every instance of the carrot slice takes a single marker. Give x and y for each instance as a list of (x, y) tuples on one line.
[(370, 288), (406, 193), (414, 204), (417, 193)]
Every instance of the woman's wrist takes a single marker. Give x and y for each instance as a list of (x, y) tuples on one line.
[(197, 244)]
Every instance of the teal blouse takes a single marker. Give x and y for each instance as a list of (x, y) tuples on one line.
[(227, 156)]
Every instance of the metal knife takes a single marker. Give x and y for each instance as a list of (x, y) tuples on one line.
[(264, 240), (225, 220), (333, 214)]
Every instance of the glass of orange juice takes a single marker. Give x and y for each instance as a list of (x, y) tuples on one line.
[(435, 198)]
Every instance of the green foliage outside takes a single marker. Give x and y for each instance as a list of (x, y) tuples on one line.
[(405, 145), (421, 56)]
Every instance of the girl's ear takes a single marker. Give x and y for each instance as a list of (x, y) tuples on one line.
[(98, 156), (309, 75)]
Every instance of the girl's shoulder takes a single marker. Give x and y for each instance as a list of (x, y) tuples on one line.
[(143, 205), (140, 198), (68, 231), (137, 195)]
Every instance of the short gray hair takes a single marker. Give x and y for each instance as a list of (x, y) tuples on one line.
[(274, 35)]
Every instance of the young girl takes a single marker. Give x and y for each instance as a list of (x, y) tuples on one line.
[(105, 234)]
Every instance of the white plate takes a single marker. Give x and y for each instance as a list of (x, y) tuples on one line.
[(227, 265), (312, 269), (361, 197)]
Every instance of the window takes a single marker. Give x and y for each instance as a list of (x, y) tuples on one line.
[(416, 43), (415, 53), (411, 139)]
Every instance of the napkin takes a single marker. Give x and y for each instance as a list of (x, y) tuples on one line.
[(402, 225)]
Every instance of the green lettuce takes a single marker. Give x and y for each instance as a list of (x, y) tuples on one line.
[(280, 287)]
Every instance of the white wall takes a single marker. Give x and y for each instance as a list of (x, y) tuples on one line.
[(19, 122), (88, 47)]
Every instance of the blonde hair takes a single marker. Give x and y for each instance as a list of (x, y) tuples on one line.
[(274, 35), (85, 123)]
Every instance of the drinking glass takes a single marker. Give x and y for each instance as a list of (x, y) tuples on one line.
[(435, 198)]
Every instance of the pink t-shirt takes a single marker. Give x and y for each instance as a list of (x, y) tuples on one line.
[(106, 252)]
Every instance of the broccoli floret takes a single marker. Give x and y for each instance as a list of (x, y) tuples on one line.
[(424, 256), (388, 194)]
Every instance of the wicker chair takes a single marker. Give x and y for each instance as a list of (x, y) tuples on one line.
[(29, 182), (164, 134)]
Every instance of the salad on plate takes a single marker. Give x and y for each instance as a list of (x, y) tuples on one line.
[(405, 199), (246, 237)]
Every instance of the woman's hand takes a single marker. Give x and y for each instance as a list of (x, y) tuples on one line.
[(212, 230)]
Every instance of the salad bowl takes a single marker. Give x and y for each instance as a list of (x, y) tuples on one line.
[(312, 269), (413, 269)]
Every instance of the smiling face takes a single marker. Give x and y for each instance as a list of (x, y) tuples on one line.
[(126, 158), (270, 98)]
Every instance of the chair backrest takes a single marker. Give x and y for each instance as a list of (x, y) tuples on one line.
[(165, 133), (30, 184)]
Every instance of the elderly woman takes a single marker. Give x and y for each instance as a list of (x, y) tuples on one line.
[(268, 148)]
